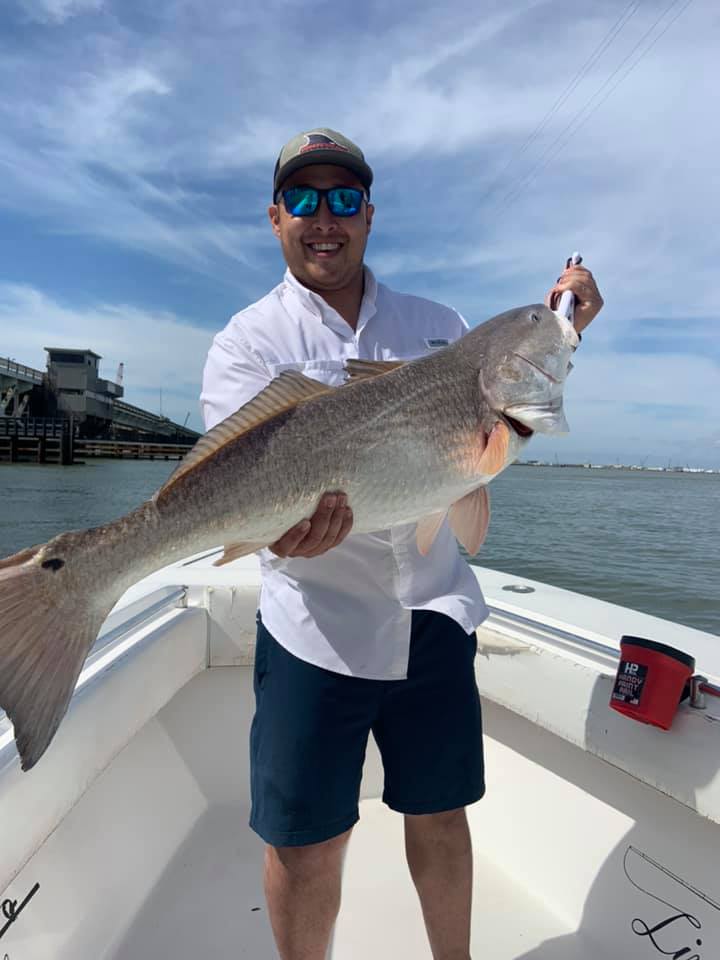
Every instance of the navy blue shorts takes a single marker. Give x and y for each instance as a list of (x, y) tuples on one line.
[(311, 726)]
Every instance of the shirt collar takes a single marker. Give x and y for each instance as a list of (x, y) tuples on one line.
[(318, 307)]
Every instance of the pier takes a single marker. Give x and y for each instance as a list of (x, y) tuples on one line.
[(130, 450), (37, 440), (55, 440)]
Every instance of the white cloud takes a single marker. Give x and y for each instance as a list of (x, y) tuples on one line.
[(57, 11), (100, 117), (215, 94), (161, 138)]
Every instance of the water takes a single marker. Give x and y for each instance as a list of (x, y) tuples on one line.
[(650, 541)]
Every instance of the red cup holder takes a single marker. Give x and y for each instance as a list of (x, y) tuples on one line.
[(650, 681)]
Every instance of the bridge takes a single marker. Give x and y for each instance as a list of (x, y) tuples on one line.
[(18, 372), (16, 383), (72, 387), (126, 415)]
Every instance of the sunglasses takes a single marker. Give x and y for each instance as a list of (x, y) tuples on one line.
[(341, 201)]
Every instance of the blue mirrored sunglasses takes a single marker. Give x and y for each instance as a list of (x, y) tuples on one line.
[(341, 201)]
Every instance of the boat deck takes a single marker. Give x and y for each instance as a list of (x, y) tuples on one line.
[(209, 902), (134, 828)]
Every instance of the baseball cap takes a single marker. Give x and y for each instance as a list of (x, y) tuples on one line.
[(321, 145)]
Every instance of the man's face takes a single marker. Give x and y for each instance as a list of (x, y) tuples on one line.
[(322, 270)]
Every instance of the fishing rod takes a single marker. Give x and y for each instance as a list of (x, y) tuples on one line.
[(566, 307)]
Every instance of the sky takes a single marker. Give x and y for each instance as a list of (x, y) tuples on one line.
[(137, 143)]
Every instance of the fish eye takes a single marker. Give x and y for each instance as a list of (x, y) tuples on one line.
[(535, 317)]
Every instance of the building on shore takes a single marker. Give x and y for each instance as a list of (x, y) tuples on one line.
[(72, 388)]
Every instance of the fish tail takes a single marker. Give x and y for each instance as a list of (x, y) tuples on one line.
[(46, 631)]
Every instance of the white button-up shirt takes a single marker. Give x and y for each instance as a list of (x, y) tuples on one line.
[(348, 610)]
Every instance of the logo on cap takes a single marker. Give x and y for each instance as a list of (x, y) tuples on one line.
[(318, 141)]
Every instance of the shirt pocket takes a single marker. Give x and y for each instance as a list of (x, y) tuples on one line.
[(331, 372)]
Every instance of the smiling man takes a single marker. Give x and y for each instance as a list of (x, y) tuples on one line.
[(322, 249), (356, 633)]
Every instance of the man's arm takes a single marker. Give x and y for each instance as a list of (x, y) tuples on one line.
[(233, 375)]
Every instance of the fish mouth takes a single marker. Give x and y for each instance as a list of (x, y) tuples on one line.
[(519, 428), (533, 364), (515, 425)]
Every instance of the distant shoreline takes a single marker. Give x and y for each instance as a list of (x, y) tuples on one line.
[(616, 466)]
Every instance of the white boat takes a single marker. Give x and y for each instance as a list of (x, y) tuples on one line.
[(599, 837)]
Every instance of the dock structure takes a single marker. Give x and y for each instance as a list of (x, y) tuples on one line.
[(54, 440), (37, 440), (130, 450), (69, 411)]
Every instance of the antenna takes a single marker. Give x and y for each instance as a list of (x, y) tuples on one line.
[(119, 374)]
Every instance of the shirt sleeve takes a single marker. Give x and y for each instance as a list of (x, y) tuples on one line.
[(234, 373)]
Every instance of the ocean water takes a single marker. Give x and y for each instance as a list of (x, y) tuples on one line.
[(650, 541)]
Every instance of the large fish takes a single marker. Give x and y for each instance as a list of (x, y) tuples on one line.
[(406, 442)]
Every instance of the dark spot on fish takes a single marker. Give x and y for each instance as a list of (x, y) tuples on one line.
[(55, 564)]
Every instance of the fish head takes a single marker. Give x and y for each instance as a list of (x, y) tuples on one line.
[(523, 358)]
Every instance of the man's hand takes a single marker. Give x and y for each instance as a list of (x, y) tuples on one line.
[(326, 528), (588, 301)]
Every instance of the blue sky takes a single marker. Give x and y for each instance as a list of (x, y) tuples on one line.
[(137, 143)]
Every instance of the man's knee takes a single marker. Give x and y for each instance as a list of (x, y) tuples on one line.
[(447, 831), (445, 820), (308, 860)]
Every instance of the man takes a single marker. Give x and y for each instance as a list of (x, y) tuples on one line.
[(355, 633)]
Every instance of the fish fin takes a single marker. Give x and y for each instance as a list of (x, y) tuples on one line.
[(283, 393), (233, 551), (469, 519), (367, 369), (495, 453), (43, 645), (426, 532)]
